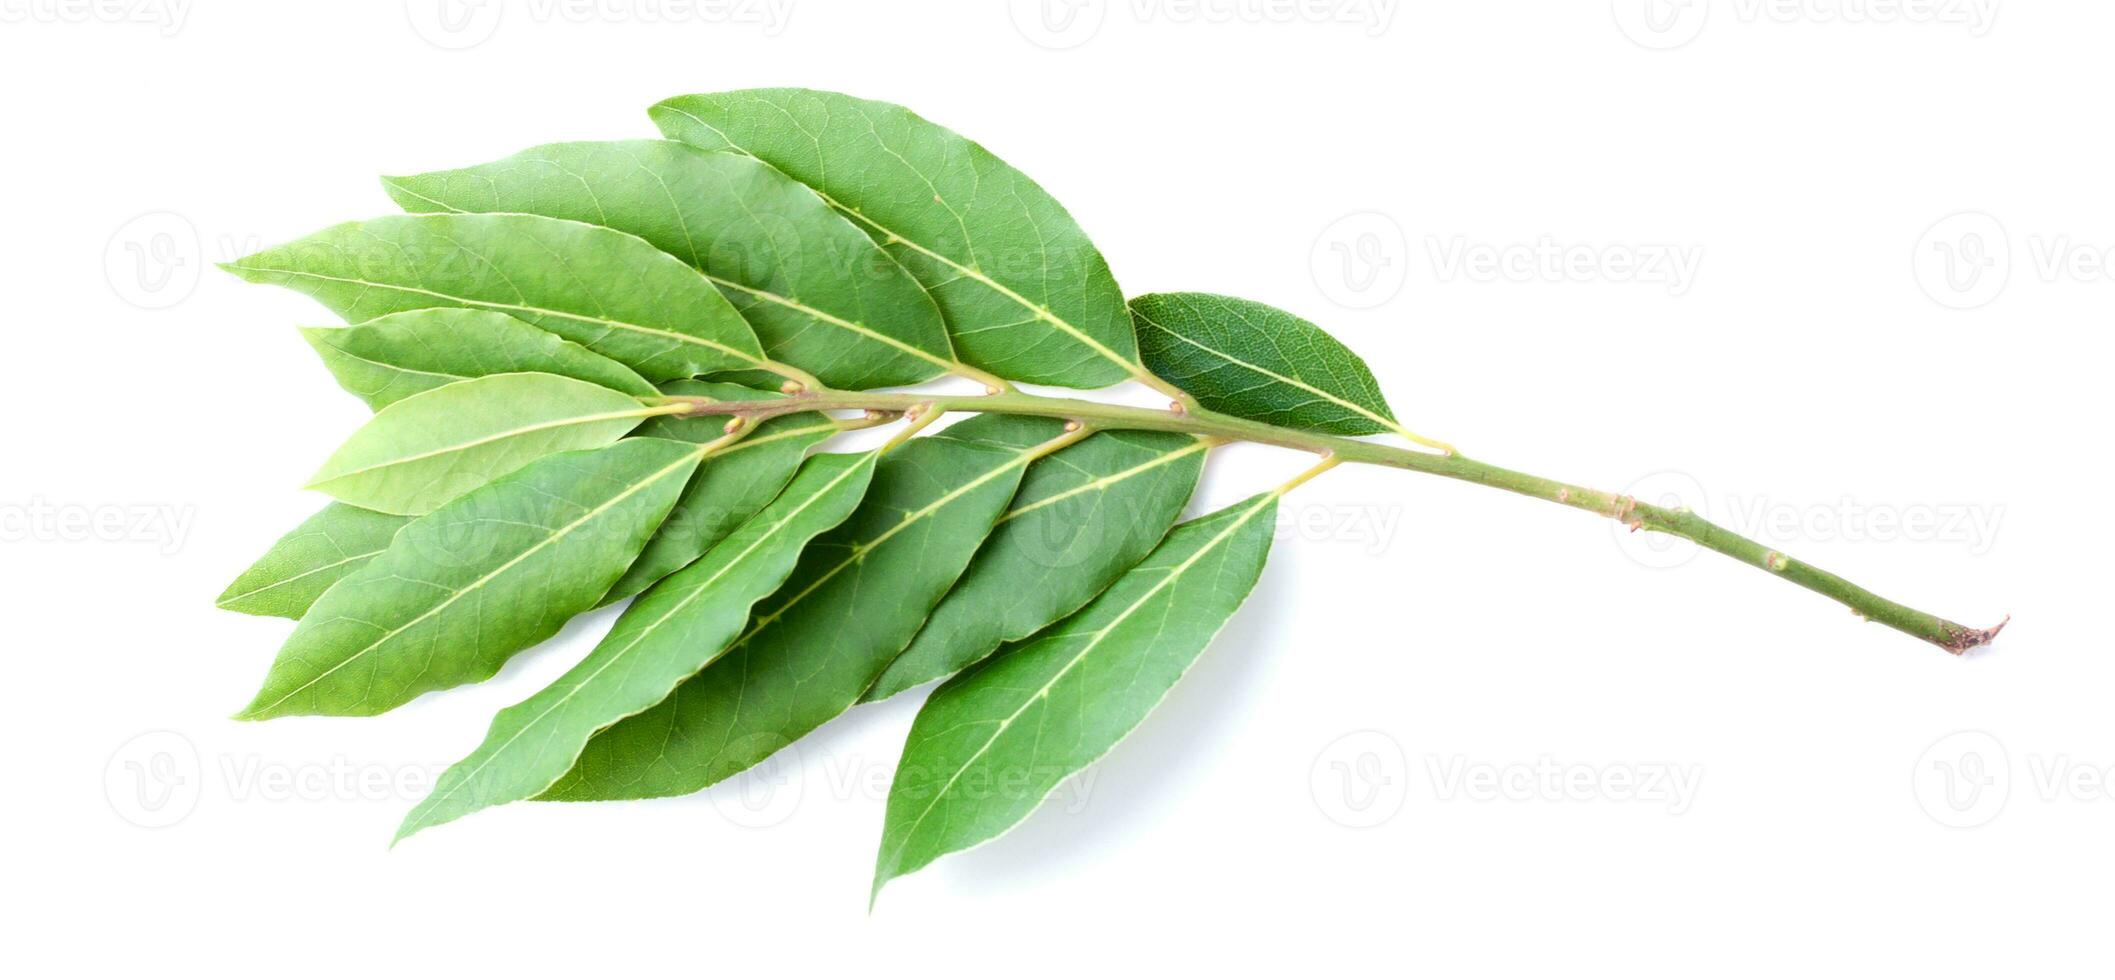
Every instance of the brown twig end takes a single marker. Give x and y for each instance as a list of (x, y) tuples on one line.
[(1961, 639)]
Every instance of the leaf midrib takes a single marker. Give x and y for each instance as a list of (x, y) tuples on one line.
[(1381, 420), (637, 638), (598, 510), (835, 321), (224, 601), (1092, 644), (1041, 312), (641, 412), (385, 365), (521, 307), (1201, 444), (859, 552), (762, 294)]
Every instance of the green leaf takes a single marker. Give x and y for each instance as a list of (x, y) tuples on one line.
[(731, 486), (1258, 362), (334, 543), (605, 290), (491, 573), (432, 447), (675, 629), (1083, 515), (1025, 294), (992, 742), (391, 357), (819, 292), (855, 599)]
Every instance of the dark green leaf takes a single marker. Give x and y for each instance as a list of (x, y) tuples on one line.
[(732, 484), (395, 356), (605, 290), (820, 293), (992, 742), (1025, 294), (1083, 515), (334, 543), (856, 598), (675, 629), (489, 574), (1259, 363)]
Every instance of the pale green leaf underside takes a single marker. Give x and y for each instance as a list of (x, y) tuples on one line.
[(393, 357), (605, 290), (992, 743), (1026, 295), (1259, 362), (821, 295), (674, 629), (489, 574), (1083, 515), (851, 605), (432, 447), (729, 487), (337, 541)]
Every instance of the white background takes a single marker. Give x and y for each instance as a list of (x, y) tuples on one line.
[(1809, 383)]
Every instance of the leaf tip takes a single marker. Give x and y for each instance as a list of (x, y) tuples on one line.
[(410, 826), (263, 707), (400, 190)]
